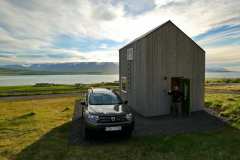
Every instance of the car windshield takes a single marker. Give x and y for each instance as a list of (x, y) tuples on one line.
[(104, 99)]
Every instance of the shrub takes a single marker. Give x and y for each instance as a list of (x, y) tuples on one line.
[(43, 84), (79, 85), (231, 99), (223, 80), (208, 104)]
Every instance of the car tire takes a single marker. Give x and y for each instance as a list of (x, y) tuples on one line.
[(128, 133), (87, 133)]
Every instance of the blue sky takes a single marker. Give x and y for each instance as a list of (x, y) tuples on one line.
[(32, 31), (84, 44)]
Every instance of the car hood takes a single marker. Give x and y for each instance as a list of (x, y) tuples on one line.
[(108, 109)]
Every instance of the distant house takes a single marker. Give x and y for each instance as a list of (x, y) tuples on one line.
[(152, 64)]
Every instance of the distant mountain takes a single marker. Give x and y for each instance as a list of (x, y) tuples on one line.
[(73, 68), (65, 68), (217, 69), (10, 71)]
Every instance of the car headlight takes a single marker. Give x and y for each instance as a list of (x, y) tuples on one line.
[(129, 116), (93, 118)]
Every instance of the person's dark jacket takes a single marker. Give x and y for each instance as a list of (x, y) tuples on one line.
[(176, 95)]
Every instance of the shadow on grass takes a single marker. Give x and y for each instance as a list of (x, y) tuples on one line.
[(27, 115), (50, 146), (58, 142), (66, 142)]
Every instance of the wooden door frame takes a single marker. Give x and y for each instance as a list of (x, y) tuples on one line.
[(180, 82)]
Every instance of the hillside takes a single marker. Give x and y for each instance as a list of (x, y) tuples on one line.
[(217, 69), (61, 68), (72, 68), (9, 71)]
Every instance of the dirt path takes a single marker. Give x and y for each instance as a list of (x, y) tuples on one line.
[(214, 91), (40, 96), (223, 84)]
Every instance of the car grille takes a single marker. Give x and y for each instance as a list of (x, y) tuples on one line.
[(112, 119)]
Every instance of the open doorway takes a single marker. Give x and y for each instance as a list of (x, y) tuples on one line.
[(184, 87)]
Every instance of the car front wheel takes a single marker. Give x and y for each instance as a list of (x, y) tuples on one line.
[(87, 133)]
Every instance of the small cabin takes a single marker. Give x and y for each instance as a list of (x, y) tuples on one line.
[(152, 64)]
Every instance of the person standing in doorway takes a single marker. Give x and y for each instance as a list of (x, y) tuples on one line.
[(177, 97)]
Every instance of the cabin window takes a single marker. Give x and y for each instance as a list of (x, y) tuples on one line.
[(130, 54), (124, 84)]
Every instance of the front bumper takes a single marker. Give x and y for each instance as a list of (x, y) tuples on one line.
[(100, 127)]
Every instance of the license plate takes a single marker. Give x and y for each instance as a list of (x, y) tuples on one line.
[(115, 128)]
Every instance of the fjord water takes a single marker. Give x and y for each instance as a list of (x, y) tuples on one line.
[(83, 78), (56, 79), (222, 74)]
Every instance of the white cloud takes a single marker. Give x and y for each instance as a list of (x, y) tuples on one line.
[(27, 26), (227, 35), (222, 55), (193, 17), (50, 55)]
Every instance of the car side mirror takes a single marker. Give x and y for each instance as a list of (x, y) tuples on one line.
[(125, 102), (83, 103)]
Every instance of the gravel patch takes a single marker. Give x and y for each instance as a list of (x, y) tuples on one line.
[(200, 121)]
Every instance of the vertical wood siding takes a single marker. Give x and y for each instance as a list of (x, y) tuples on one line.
[(165, 52)]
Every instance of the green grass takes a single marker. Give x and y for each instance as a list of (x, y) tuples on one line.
[(215, 145), (39, 129), (227, 105), (24, 122), (228, 87), (43, 89)]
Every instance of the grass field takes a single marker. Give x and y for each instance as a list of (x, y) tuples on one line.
[(24, 122), (226, 105), (223, 84), (39, 129), (44, 89), (231, 87)]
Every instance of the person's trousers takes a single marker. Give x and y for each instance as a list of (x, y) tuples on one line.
[(177, 108)]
